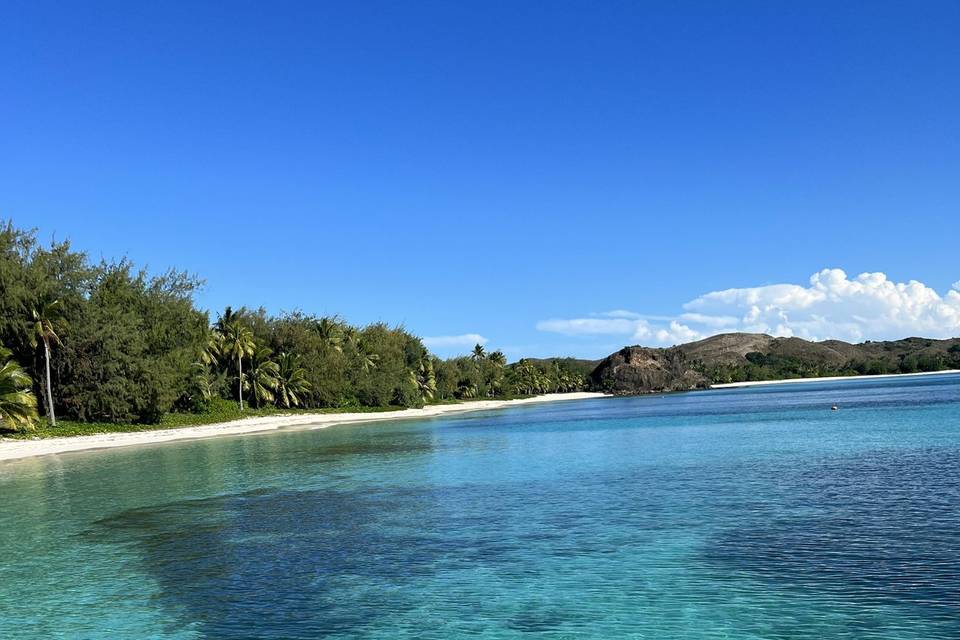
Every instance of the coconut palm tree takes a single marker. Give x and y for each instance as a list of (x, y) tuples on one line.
[(238, 343), (350, 335), (331, 334), (212, 346), (425, 379), (479, 357), (576, 382), (466, 388), (261, 379), (495, 374), (528, 379), (228, 317), (367, 359), (45, 322), (204, 380), (497, 358), (18, 405), (292, 383), (558, 378)]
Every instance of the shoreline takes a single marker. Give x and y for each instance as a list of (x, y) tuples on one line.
[(19, 449), (755, 383)]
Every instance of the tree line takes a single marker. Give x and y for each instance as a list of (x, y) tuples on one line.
[(768, 366), (108, 342)]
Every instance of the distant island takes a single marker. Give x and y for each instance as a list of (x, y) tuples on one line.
[(747, 357)]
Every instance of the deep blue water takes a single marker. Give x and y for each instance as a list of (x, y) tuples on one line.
[(746, 513)]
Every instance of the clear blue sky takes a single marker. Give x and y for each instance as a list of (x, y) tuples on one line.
[(484, 167)]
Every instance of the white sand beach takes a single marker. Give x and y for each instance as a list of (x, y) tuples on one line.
[(756, 383), (14, 449)]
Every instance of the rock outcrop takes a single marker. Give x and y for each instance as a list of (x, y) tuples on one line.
[(636, 370)]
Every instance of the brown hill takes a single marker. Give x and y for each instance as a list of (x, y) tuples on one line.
[(736, 357), (726, 347)]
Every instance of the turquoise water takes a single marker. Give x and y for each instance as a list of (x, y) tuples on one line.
[(746, 513)]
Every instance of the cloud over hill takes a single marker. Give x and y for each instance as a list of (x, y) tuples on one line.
[(831, 306)]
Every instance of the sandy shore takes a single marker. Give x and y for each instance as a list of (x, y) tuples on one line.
[(756, 383), (15, 449)]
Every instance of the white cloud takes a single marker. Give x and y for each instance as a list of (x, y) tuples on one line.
[(710, 321), (464, 340), (595, 326), (638, 330), (619, 313), (677, 333), (833, 305)]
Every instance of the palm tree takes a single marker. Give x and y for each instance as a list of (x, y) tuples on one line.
[(366, 358), (237, 343), (479, 356), (494, 377), (479, 353), (212, 346), (576, 382), (331, 334), (18, 405), (528, 379), (228, 317), (44, 330), (497, 358), (467, 389), (262, 378), (350, 335), (203, 380), (292, 383), (425, 379), (558, 377)]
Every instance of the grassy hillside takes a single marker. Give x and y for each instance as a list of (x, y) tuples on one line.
[(745, 357)]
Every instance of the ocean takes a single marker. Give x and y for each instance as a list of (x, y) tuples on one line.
[(738, 513)]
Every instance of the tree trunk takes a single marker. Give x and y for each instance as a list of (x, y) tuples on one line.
[(240, 381), (52, 415)]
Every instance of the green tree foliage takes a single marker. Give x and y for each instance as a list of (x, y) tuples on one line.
[(381, 361), (237, 343), (261, 379), (18, 405), (106, 342), (332, 334), (130, 347), (44, 332), (324, 364), (902, 356), (292, 385), (425, 378), (490, 376)]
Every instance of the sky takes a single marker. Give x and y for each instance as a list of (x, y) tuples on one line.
[(547, 178)]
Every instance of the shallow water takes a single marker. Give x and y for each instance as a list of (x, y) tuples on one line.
[(742, 513)]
